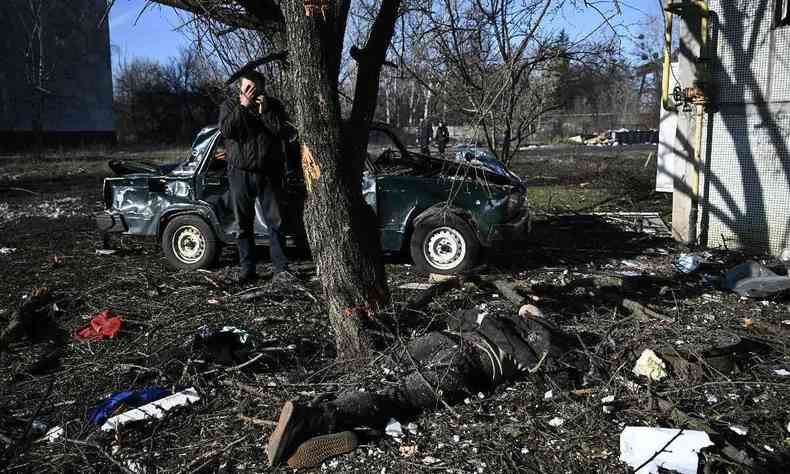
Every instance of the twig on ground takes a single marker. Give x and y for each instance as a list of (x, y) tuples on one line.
[(209, 457), (306, 292), (216, 285), (235, 367), (102, 452), (257, 421), (660, 451), (539, 364)]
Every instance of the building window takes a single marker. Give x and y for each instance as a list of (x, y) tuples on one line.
[(782, 13)]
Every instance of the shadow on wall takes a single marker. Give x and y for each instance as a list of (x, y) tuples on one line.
[(745, 180)]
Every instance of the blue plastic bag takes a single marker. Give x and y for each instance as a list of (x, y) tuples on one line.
[(131, 398)]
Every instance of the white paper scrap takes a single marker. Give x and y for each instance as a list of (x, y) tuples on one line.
[(651, 366), (638, 444), (394, 428), (54, 433), (556, 422)]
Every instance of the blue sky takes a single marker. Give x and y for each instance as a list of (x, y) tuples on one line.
[(154, 34)]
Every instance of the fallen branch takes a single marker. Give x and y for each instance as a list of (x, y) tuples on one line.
[(508, 289), (642, 312), (22, 190), (209, 456), (102, 452), (236, 367), (426, 296)]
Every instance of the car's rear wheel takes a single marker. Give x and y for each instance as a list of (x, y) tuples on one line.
[(189, 243), (445, 245)]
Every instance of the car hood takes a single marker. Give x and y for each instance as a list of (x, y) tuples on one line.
[(478, 158), (141, 168)]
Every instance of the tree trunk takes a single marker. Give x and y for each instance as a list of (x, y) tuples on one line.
[(427, 108), (387, 102), (343, 241), (411, 104)]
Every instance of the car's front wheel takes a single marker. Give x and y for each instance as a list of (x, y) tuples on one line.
[(445, 245), (189, 243)]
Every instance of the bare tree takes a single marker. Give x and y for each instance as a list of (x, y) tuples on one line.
[(344, 245), (166, 102), (497, 62)]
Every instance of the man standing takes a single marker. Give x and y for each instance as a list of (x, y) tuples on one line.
[(425, 135), (255, 127), (442, 137)]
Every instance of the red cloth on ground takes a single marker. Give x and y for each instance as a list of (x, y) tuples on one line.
[(103, 325)]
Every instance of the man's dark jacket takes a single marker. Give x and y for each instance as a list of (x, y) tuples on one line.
[(442, 134), (255, 142)]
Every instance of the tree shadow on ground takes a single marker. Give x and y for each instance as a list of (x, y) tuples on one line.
[(577, 240)]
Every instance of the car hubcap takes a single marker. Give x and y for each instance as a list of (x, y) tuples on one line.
[(188, 244), (445, 248)]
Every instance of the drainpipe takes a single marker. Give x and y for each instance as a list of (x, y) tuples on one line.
[(667, 62), (697, 95)]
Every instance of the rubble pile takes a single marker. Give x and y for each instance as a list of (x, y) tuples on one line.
[(619, 137)]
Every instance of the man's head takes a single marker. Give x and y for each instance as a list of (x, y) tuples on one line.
[(253, 78)]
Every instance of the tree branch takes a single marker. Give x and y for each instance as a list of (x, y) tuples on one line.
[(262, 15)]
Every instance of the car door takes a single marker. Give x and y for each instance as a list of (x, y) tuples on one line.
[(400, 193), (212, 181)]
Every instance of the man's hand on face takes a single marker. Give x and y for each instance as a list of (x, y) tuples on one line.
[(248, 94)]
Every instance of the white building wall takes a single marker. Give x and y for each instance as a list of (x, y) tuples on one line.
[(746, 174)]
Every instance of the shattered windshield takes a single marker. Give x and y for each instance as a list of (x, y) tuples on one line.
[(481, 158), (199, 148)]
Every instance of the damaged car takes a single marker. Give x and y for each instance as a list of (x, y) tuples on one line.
[(443, 211)]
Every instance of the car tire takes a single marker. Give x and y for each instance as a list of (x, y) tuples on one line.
[(444, 244), (189, 243)]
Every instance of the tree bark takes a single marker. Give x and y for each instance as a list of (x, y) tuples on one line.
[(411, 104), (338, 223)]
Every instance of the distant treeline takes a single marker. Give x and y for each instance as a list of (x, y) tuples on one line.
[(165, 103)]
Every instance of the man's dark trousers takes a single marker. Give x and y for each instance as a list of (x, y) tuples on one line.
[(246, 187)]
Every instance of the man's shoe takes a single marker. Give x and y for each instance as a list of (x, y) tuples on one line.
[(296, 423), (247, 276), (316, 450)]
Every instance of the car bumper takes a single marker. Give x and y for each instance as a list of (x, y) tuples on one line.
[(110, 222), (513, 231)]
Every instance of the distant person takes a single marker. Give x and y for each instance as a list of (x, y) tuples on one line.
[(425, 136), (255, 127), (442, 137)]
